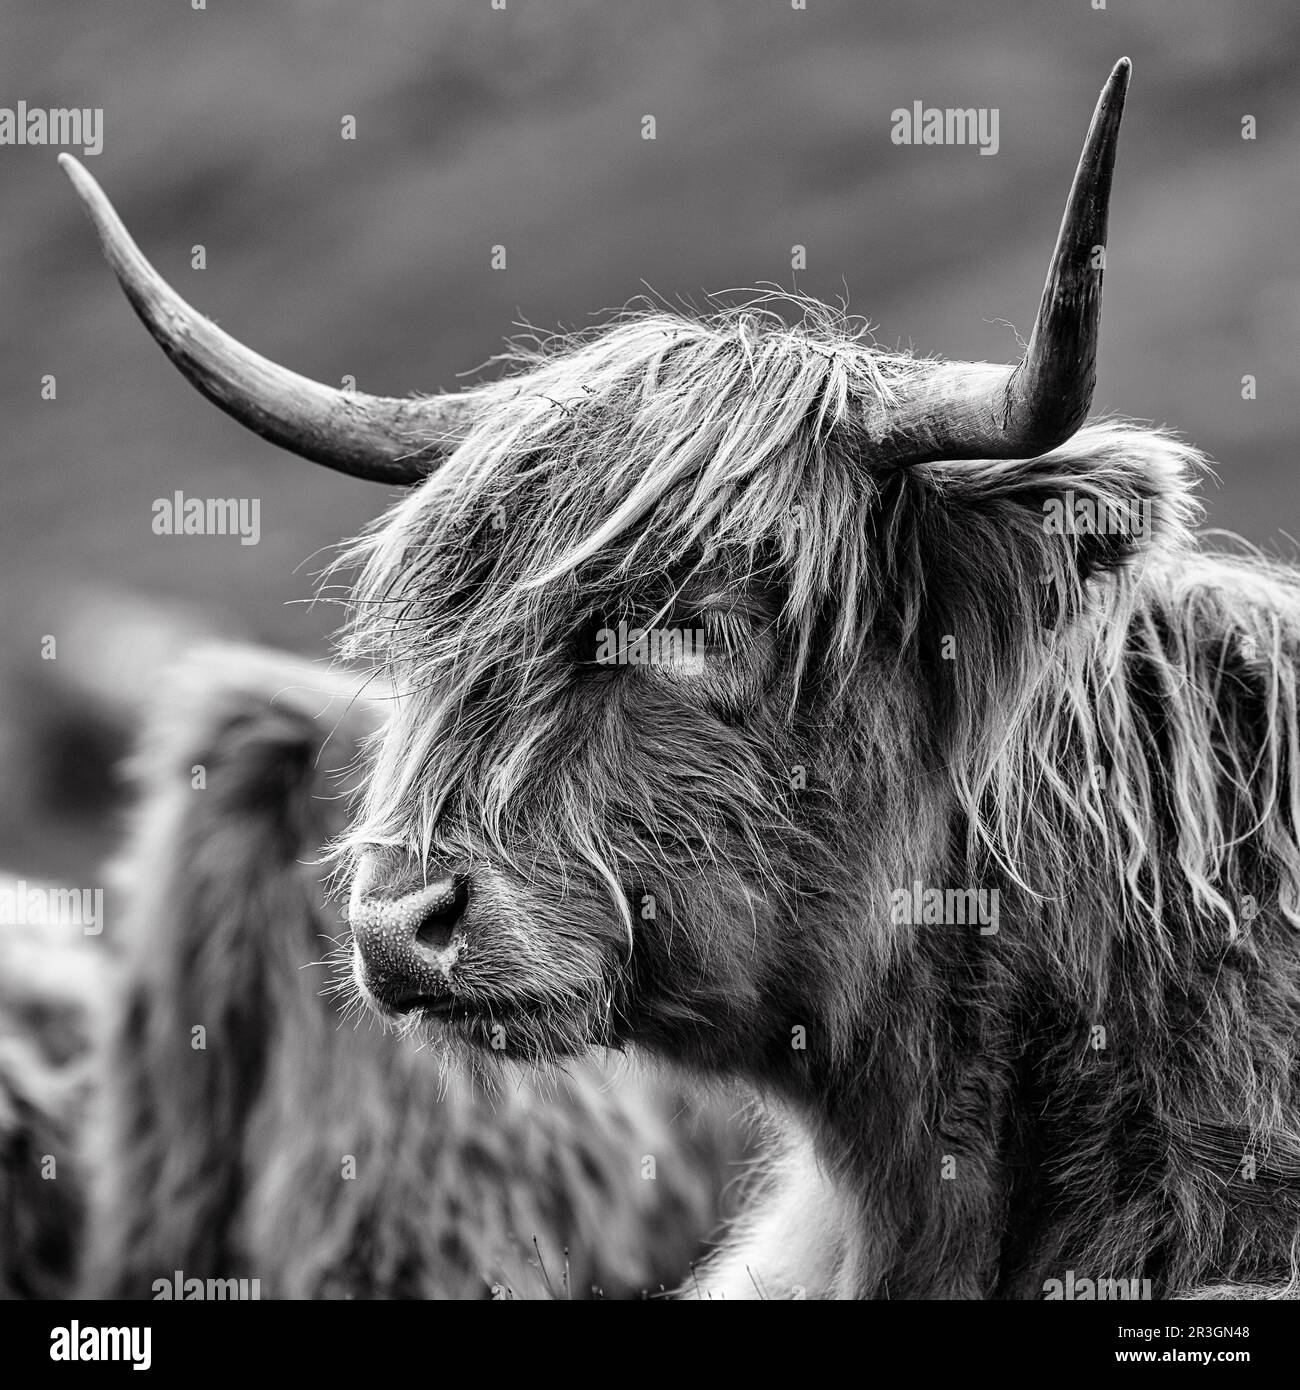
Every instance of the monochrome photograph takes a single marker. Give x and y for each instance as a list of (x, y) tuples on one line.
[(681, 682)]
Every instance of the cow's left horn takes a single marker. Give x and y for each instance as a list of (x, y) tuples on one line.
[(976, 410), (383, 438)]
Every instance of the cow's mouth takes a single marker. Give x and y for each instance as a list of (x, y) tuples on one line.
[(454, 1008), (505, 1026), (431, 1005), (395, 1004), (441, 1006)]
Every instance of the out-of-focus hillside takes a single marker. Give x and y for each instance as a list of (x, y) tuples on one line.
[(522, 127)]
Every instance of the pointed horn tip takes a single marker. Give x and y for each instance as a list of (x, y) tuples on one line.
[(85, 186), (1117, 82), (75, 170)]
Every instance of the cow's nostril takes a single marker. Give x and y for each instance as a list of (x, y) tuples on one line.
[(443, 912), (412, 931), (407, 945)]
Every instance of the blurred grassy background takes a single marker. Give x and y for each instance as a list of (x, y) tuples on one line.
[(523, 127)]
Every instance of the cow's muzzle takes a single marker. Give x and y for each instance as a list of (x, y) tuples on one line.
[(408, 944)]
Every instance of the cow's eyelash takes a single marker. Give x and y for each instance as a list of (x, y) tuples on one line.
[(721, 634), (732, 632)]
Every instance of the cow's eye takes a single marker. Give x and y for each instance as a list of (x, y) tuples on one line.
[(680, 640), (723, 643), (668, 642), (728, 644), (729, 633)]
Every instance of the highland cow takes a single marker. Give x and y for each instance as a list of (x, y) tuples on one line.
[(245, 1131), (913, 678)]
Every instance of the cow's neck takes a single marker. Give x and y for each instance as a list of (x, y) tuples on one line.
[(924, 1128)]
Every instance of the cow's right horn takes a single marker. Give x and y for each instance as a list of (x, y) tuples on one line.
[(386, 439)]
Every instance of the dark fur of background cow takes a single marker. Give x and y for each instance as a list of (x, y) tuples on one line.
[(52, 984)]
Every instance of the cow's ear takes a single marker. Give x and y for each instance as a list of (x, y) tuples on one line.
[(1030, 534)]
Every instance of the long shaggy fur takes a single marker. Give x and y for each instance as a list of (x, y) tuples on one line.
[(909, 678), (246, 1129)]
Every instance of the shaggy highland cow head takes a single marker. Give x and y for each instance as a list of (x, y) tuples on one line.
[(670, 612)]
